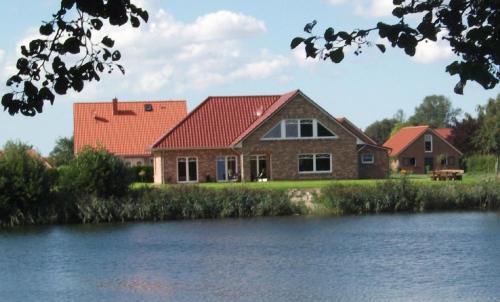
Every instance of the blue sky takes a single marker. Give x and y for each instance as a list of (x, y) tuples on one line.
[(192, 49)]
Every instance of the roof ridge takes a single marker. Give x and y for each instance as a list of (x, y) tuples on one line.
[(133, 102)]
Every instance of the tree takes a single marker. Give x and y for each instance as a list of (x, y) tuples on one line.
[(470, 26), (462, 133), (487, 138), (70, 36), (62, 154), (435, 111), (380, 131), (95, 172), (24, 183)]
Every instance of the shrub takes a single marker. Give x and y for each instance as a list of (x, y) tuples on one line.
[(480, 163), (404, 196), (141, 173), (95, 172), (24, 184)]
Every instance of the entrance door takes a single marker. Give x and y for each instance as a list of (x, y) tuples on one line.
[(258, 167), (428, 164)]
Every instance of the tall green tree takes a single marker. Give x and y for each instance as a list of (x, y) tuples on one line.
[(380, 131), (436, 111), (470, 26), (62, 154), (487, 137), (70, 36)]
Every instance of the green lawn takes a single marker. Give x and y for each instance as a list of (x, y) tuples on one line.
[(318, 184)]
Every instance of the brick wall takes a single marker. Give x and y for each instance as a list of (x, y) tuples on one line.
[(380, 166), (416, 150), (206, 163), (284, 153)]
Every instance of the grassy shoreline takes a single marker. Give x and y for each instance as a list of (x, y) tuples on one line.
[(350, 197)]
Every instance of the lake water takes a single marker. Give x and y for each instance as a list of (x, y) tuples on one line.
[(427, 257)]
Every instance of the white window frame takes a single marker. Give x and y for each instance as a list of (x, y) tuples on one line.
[(187, 169), (363, 161), (314, 171), (225, 166), (430, 140), (283, 122)]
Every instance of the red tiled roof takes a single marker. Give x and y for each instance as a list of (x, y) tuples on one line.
[(407, 135), (356, 131), (128, 132), (222, 121), (403, 138), (444, 132)]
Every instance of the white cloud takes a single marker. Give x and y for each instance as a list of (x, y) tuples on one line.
[(2, 54), (429, 51), (377, 8), (155, 80), (169, 54)]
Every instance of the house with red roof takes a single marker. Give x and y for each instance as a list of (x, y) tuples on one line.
[(259, 138), (420, 149), (126, 129)]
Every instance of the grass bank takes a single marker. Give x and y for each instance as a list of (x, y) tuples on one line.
[(405, 195)]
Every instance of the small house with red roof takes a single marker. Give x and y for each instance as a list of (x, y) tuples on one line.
[(259, 138), (126, 129), (420, 149)]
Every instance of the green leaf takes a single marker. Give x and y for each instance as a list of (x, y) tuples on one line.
[(337, 55), (96, 23), (121, 68), (46, 29), (72, 45), (29, 89), (61, 85), (329, 34), (116, 55), (46, 94), (108, 42), (135, 21), (7, 99), (381, 47), (296, 42)]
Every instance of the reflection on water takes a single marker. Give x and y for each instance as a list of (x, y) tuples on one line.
[(431, 257)]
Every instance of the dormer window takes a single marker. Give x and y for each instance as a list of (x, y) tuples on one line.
[(428, 143), (148, 107), (298, 129)]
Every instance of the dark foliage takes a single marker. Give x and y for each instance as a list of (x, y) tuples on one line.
[(62, 154), (470, 26), (42, 71), (463, 132), (24, 184), (380, 131), (95, 172), (141, 173)]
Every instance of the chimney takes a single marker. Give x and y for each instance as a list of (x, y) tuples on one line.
[(115, 106)]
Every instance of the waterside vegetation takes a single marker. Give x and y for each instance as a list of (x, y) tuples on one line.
[(97, 187)]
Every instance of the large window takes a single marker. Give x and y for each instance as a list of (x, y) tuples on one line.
[(428, 142), (298, 129), (187, 169), (367, 158), (226, 168), (315, 163)]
